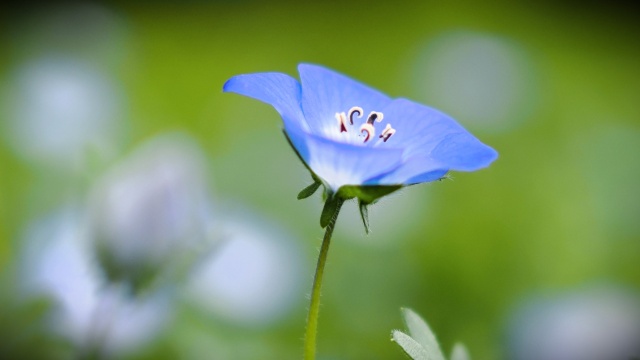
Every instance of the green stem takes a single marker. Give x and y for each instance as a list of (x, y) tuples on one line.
[(314, 307)]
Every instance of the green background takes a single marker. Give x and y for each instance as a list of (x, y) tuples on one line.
[(557, 212)]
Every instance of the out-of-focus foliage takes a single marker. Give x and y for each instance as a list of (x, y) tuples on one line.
[(421, 342), (554, 87), (23, 326)]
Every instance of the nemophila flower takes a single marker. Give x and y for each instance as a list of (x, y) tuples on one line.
[(358, 142), (150, 212)]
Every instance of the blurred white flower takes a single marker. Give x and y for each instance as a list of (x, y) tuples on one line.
[(151, 208), (254, 277), (122, 323), (61, 106), (602, 323), (60, 112), (58, 263), (485, 81)]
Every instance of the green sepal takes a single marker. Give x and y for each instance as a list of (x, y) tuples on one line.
[(331, 206), (364, 214), (309, 190), (366, 194)]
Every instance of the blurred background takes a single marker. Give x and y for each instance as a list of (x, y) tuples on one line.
[(144, 214)]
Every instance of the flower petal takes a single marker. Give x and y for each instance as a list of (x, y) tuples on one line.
[(463, 152), (325, 93), (416, 170), (339, 164), (418, 127), (434, 144), (278, 90)]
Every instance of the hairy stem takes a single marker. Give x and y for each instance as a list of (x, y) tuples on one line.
[(314, 307)]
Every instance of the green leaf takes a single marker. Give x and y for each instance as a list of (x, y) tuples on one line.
[(410, 346), (309, 190), (460, 352), (364, 213), (331, 206), (420, 332), (366, 194)]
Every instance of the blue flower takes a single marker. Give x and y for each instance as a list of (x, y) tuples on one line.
[(353, 137)]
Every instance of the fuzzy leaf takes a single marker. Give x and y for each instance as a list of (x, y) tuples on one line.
[(414, 350), (460, 352), (420, 332), (329, 211), (364, 214), (309, 190)]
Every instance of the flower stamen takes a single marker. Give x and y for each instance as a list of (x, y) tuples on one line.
[(369, 130), (387, 133), (342, 121), (375, 116), (354, 110)]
